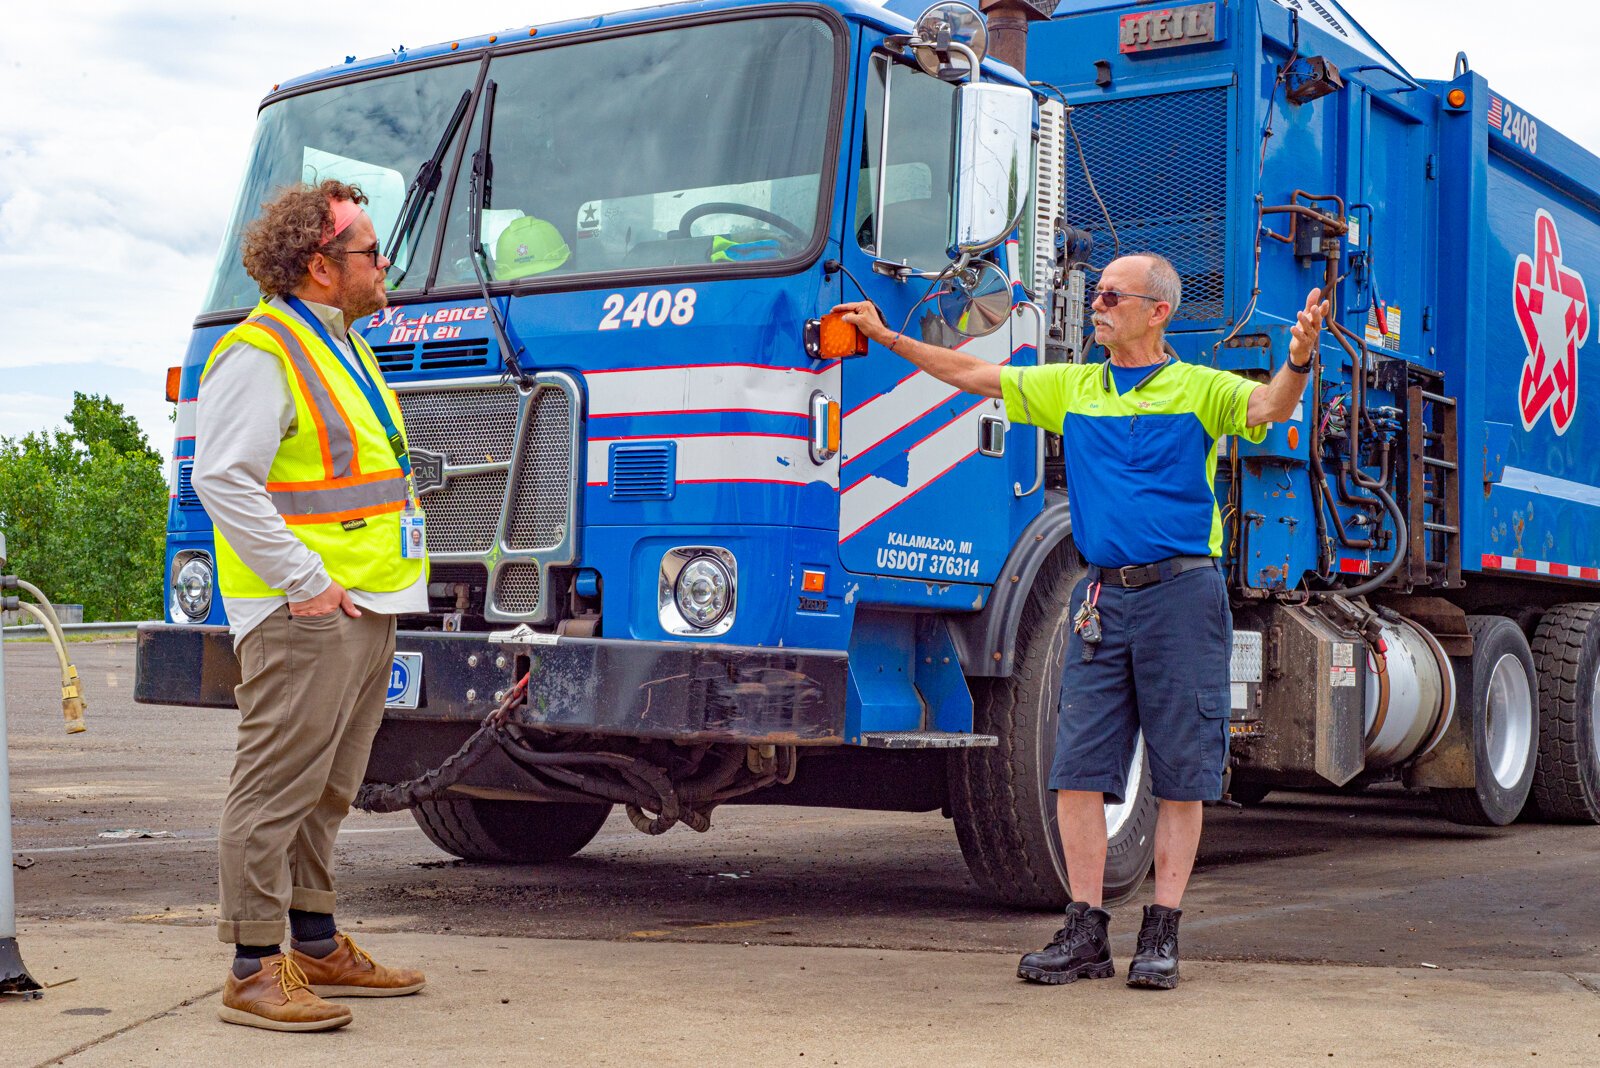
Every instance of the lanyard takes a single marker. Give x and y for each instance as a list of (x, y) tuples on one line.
[(363, 381)]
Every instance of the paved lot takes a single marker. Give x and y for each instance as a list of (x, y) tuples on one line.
[(854, 936)]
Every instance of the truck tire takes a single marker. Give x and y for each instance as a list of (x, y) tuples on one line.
[(509, 832), (1497, 687), (1566, 650), (1005, 814)]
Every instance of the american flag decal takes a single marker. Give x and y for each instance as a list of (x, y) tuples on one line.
[(1496, 111)]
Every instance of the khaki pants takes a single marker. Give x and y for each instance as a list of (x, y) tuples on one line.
[(310, 704)]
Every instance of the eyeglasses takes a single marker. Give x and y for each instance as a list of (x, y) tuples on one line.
[(1111, 298), (375, 252)]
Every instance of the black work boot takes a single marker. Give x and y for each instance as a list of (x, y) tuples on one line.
[(1080, 950), (1155, 962)]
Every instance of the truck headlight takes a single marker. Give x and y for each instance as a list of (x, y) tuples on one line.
[(193, 581), (696, 590)]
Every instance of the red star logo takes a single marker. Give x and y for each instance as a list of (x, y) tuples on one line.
[(1552, 307)]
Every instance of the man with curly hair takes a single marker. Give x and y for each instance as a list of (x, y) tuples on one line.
[(300, 459)]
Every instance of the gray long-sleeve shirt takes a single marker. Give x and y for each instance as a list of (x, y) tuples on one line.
[(243, 412)]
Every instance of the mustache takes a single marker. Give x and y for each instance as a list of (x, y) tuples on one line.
[(1099, 320)]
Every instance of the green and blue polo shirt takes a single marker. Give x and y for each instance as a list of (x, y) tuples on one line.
[(1141, 463)]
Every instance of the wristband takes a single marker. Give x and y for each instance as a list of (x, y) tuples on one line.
[(1300, 368)]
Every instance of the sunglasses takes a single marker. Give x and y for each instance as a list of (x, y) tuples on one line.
[(1111, 298), (374, 252)]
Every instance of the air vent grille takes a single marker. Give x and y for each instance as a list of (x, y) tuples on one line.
[(187, 497), (644, 472), (460, 354)]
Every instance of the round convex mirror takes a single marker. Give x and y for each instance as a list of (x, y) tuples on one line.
[(945, 24), (976, 300)]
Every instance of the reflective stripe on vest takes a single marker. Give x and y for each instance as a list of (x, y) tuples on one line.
[(305, 503), (339, 447), (336, 482)]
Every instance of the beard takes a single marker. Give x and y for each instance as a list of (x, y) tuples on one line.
[(357, 300)]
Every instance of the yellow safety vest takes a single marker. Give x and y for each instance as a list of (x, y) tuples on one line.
[(336, 481)]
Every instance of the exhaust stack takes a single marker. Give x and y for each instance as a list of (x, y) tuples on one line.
[(1008, 27)]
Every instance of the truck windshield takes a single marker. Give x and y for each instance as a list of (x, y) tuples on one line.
[(374, 133), (699, 146)]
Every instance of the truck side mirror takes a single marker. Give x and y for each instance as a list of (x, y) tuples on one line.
[(976, 300), (994, 163)]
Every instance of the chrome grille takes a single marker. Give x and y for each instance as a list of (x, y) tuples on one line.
[(471, 425), (488, 434), (519, 589), (464, 516), (539, 516)]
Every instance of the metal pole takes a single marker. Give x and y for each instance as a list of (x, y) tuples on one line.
[(14, 977)]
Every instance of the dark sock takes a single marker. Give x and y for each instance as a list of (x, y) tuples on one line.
[(317, 947), (311, 926), (247, 959)]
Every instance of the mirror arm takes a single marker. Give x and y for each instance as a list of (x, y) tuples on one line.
[(969, 251), (900, 272), (972, 59)]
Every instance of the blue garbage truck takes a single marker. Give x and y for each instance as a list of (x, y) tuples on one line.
[(694, 542)]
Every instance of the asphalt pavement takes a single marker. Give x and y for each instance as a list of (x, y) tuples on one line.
[(1320, 928)]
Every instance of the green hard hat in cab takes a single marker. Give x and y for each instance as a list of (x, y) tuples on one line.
[(528, 246)]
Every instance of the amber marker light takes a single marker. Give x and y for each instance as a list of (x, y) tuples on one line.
[(841, 339), (1457, 98), (824, 427), (174, 377), (813, 581), (1294, 437)]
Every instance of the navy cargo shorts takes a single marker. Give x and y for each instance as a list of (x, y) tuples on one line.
[(1161, 667)]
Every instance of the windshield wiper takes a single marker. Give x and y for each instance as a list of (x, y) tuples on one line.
[(422, 189), (482, 181)]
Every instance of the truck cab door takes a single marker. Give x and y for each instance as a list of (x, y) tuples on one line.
[(927, 472)]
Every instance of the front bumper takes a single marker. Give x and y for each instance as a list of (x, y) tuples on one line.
[(683, 691)]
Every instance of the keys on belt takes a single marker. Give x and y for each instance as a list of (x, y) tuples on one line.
[(1086, 621)]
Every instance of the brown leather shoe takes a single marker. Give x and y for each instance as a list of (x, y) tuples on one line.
[(349, 972), (278, 998)]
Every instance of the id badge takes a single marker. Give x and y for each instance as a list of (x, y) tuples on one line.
[(413, 535)]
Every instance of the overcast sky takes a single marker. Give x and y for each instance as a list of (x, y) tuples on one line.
[(124, 128)]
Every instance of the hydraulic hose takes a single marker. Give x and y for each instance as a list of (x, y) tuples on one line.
[(72, 705), (1401, 549), (44, 603)]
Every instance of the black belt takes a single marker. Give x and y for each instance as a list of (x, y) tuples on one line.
[(1136, 575)]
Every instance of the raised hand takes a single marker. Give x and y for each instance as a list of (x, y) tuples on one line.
[(1306, 333)]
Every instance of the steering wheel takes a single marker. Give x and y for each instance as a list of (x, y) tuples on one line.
[(722, 207)]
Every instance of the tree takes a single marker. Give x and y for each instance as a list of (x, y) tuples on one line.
[(84, 512), (95, 419)]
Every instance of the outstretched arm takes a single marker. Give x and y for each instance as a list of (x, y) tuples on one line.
[(1276, 402), (967, 373)]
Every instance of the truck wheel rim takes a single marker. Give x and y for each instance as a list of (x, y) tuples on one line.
[(1508, 720), (1117, 815)]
